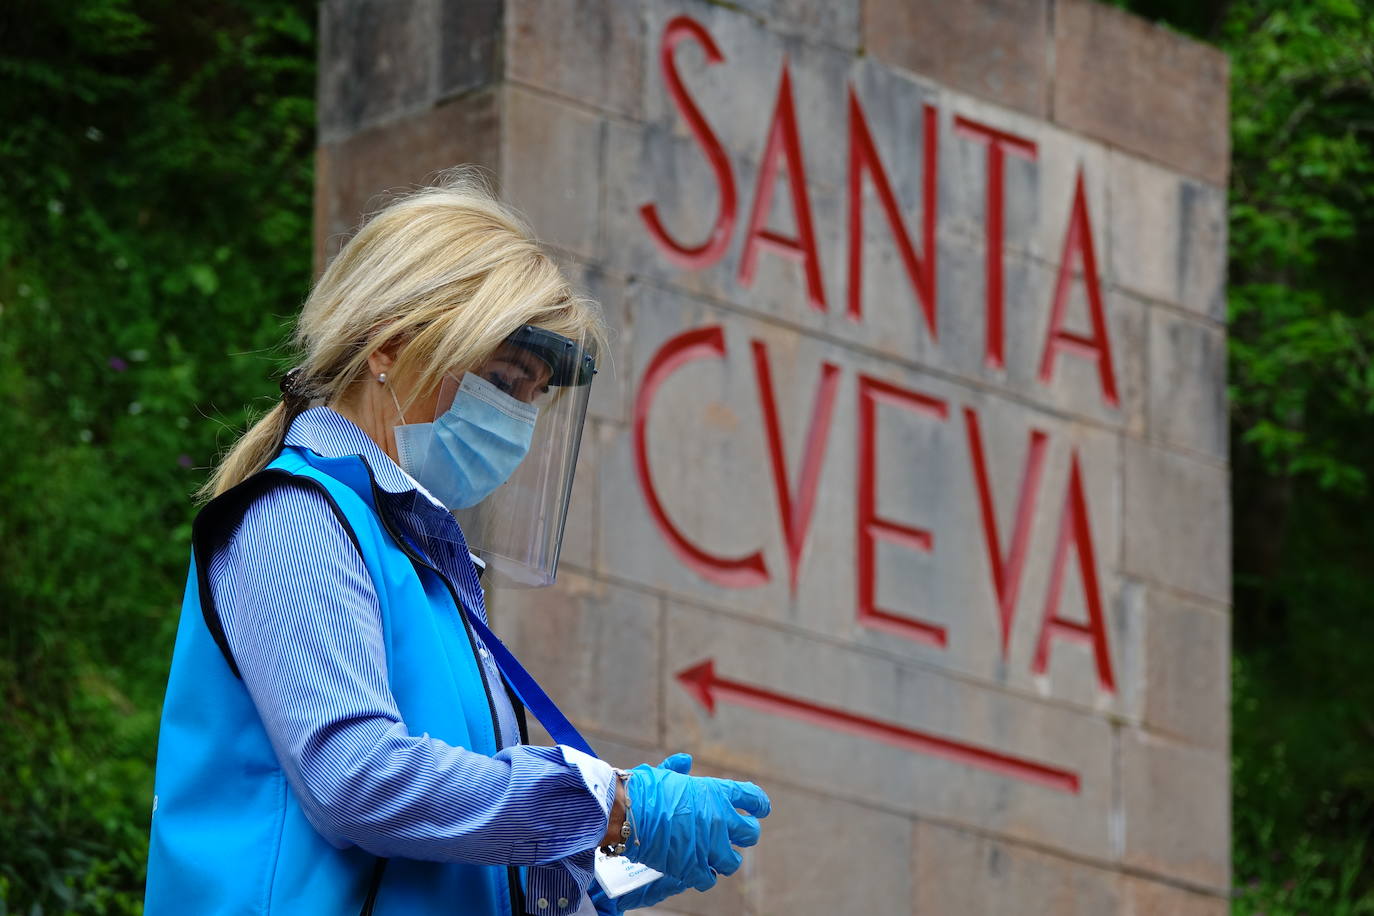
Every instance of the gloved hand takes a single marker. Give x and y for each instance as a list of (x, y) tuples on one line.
[(660, 889), (687, 826)]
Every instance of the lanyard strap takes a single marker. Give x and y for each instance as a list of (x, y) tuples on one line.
[(521, 681), (527, 688)]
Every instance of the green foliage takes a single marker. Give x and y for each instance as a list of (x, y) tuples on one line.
[(154, 226), (1296, 852), (1303, 332), (1302, 395)]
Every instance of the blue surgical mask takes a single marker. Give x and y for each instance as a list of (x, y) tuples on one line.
[(472, 448)]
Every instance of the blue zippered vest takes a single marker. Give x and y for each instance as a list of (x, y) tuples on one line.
[(228, 833)]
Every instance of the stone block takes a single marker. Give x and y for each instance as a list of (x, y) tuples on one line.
[(579, 533), (779, 285), (353, 176), (1150, 898), (825, 834), (588, 50), (1180, 521), (551, 156), (610, 390), (377, 61), (894, 104), (471, 32), (1141, 87), (1203, 228), (1152, 247), (763, 738), (962, 873), (1130, 632), (1188, 671), (994, 49), (1071, 383), (652, 166), (1188, 405), (834, 22), (1177, 809), (1037, 193), (738, 95), (1167, 236), (582, 638), (729, 896)]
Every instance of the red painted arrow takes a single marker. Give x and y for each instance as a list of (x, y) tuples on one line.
[(701, 682)]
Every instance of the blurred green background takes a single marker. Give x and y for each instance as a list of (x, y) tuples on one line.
[(155, 238)]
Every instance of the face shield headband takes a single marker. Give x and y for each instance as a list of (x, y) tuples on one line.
[(502, 451)]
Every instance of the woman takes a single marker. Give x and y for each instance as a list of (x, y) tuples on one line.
[(341, 732)]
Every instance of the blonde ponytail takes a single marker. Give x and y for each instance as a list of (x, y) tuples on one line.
[(254, 450), (444, 274)]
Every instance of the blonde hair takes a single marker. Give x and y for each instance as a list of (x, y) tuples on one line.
[(443, 275)]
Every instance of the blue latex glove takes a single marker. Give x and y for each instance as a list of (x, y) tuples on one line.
[(662, 888), (687, 826)]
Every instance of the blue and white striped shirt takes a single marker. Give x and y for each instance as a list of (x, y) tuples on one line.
[(303, 622)]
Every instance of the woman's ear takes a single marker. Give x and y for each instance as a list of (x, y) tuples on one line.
[(381, 360)]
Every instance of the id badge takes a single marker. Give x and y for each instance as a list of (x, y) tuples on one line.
[(618, 875)]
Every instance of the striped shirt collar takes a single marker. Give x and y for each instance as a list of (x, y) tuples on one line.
[(331, 435)]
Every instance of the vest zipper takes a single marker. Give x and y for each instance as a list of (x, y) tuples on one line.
[(457, 607), (375, 886), (512, 872)]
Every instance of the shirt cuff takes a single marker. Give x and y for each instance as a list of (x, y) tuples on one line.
[(560, 887), (597, 775)]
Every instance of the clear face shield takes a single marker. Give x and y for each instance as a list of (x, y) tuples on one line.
[(501, 452)]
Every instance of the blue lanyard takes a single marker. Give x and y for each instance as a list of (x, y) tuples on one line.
[(521, 681), (527, 688)]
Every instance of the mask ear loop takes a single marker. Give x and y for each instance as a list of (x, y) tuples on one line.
[(400, 414)]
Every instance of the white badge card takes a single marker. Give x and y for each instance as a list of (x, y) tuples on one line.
[(618, 875)]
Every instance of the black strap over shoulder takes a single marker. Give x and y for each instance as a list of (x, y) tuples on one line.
[(216, 523)]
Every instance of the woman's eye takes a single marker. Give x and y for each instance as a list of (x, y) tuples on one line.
[(500, 382)]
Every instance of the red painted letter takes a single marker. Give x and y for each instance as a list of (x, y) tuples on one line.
[(1074, 527), (863, 155), (1079, 240), (783, 141), (1006, 573), (871, 528), (732, 572), (795, 512), (711, 250), (999, 144)]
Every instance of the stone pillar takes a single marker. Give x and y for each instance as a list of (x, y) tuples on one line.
[(920, 309)]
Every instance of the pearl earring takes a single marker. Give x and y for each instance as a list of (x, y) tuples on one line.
[(381, 378)]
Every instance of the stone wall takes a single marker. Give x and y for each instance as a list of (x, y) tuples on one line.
[(906, 491)]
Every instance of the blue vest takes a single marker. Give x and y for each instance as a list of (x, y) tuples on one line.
[(228, 833)]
